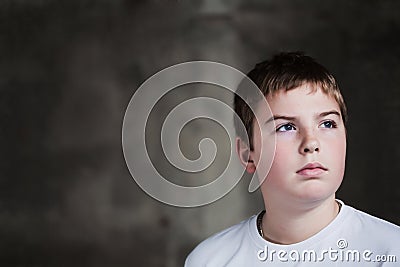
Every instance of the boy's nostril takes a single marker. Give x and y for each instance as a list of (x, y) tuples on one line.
[(308, 150)]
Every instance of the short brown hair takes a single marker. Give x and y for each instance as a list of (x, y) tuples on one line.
[(285, 71)]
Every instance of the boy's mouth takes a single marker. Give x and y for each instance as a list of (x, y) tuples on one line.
[(312, 169)]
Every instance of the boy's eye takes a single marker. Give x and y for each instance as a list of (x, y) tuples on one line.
[(285, 128), (328, 124)]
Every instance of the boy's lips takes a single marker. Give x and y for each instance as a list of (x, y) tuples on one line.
[(312, 169)]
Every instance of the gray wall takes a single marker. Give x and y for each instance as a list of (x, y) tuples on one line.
[(69, 68)]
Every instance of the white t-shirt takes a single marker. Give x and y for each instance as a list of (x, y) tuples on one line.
[(353, 238)]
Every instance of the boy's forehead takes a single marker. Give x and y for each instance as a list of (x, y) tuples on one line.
[(300, 97), (308, 88), (302, 92)]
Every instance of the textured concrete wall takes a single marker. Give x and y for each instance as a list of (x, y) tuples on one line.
[(69, 68)]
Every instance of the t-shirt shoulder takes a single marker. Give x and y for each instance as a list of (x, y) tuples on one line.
[(238, 245), (224, 243), (374, 224)]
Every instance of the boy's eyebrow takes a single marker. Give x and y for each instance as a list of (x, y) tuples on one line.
[(277, 117), (324, 114), (282, 117)]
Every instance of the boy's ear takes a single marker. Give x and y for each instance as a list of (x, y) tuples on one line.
[(245, 156)]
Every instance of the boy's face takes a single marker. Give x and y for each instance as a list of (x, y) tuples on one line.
[(310, 151)]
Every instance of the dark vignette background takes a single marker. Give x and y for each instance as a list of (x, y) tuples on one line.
[(69, 68)]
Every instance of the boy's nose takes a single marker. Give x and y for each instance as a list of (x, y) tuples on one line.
[(309, 145)]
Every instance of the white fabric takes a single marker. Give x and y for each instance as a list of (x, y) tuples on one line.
[(353, 238)]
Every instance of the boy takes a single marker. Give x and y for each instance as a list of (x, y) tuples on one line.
[(303, 224)]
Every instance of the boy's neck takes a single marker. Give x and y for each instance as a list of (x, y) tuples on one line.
[(289, 225)]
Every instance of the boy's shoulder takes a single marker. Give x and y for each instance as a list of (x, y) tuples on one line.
[(238, 245), (221, 245), (366, 233), (377, 226)]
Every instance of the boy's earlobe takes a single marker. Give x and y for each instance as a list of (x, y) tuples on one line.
[(250, 167), (245, 156)]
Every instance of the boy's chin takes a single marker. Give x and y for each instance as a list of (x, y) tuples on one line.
[(316, 193)]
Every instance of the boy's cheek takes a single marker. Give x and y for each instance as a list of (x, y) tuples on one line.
[(281, 161), (284, 152), (335, 147)]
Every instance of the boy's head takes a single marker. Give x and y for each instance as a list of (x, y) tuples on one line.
[(284, 72), (307, 124)]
